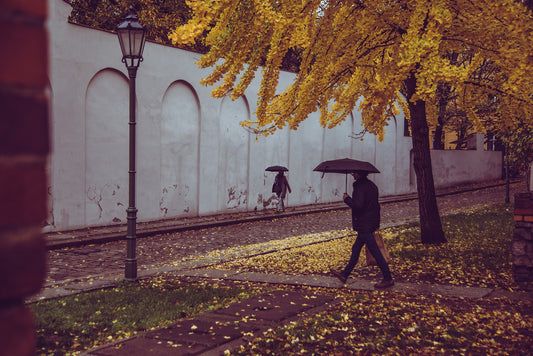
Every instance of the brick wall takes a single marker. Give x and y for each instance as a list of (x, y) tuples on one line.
[(23, 151), (522, 244)]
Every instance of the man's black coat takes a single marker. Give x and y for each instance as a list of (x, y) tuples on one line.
[(365, 205)]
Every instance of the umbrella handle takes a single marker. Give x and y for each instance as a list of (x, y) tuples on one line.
[(346, 183)]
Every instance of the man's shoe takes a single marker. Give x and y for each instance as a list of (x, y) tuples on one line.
[(384, 284), (339, 275)]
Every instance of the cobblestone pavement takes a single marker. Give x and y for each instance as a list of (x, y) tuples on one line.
[(156, 251)]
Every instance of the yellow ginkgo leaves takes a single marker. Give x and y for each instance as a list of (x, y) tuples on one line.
[(350, 50)]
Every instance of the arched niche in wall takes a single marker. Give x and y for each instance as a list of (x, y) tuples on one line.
[(364, 145), (180, 136), (338, 143), (233, 154), (267, 151), (386, 159), (106, 152), (306, 152)]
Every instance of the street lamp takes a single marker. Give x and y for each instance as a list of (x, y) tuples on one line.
[(131, 37)]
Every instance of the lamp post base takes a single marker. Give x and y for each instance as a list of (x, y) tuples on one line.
[(131, 270)]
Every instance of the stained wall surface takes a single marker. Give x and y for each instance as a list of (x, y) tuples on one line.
[(192, 156)]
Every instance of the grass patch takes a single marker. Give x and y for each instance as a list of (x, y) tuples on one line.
[(79, 322), (477, 252)]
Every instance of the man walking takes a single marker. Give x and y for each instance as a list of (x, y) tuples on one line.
[(365, 220)]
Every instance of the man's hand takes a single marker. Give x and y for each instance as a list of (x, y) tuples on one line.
[(344, 196)]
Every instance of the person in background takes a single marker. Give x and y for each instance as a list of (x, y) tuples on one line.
[(282, 186)]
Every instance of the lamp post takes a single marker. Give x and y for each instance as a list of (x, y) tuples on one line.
[(131, 37)]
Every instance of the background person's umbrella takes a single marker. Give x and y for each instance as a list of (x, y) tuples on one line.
[(277, 169), (345, 165)]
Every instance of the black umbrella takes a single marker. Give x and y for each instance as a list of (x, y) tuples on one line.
[(345, 165), (277, 169)]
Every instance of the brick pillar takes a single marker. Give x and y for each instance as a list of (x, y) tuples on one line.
[(522, 244), (23, 152)]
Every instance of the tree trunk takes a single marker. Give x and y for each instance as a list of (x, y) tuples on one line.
[(430, 224), (438, 143), (443, 95)]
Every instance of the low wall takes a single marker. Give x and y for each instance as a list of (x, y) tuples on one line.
[(453, 167)]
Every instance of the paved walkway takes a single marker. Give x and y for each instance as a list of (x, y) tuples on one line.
[(212, 333), (91, 264)]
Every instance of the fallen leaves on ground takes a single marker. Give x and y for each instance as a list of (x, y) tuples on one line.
[(477, 252), (70, 325), (398, 324)]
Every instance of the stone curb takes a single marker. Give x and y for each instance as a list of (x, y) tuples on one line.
[(98, 282)]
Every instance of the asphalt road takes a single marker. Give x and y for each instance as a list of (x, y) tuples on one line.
[(163, 249)]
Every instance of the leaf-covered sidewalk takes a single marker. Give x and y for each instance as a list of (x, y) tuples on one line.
[(443, 302)]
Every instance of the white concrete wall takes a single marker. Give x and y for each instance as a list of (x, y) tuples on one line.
[(453, 167), (193, 157)]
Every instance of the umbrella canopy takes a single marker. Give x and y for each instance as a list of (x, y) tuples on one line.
[(277, 169), (345, 165)]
